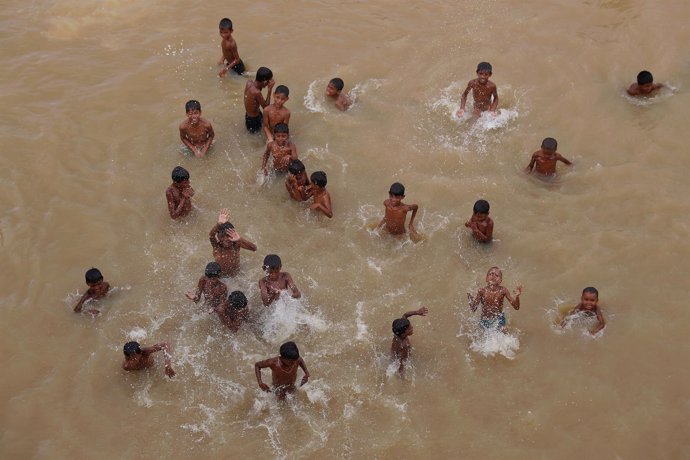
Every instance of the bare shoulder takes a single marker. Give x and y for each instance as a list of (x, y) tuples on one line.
[(184, 125)]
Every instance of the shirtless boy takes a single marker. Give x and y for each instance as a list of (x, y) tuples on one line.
[(137, 358), (283, 370), (230, 58), (254, 101), (322, 199), (645, 85), (276, 112), (334, 91), (211, 287), (275, 281), (589, 305), (484, 92), (297, 182), (480, 223), (233, 311), (491, 297), (179, 194), (402, 330), (282, 149), (544, 160), (226, 244), (97, 290), (196, 132), (396, 212)]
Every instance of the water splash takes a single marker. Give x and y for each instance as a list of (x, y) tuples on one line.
[(287, 316)]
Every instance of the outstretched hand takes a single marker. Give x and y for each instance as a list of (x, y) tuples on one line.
[(518, 291), (423, 311), (460, 113), (169, 371), (264, 387), (232, 233), (223, 215)]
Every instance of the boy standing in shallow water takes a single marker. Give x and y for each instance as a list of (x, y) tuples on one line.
[(97, 290), (211, 287), (297, 182), (226, 244), (480, 223), (137, 358), (282, 149), (283, 370), (231, 57), (589, 304), (233, 311), (275, 281), (179, 194), (645, 85), (334, 91), (196, 132), (491, 297), (402, 330), (276, 112), (484, 92), (396, 212), (254, 101), (544, 160), (322, 199)]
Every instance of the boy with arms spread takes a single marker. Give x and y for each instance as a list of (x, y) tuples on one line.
[(230, 58), (645, 85), (233, 311), (396, 212), (275, 281), (226, 244), (334, 91), (480, 223), (402, 330), (589, 305), (322, 199), (254, 101), (97, 290), (276, 112), (491, 297), (283, 370), (196, 132), (297, 182), (137, 358), (544, 160), (483, 91), (179, 194), (211, 287), (282, 149)]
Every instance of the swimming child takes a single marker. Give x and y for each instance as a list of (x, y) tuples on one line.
[(211, 287), (645, 85), (322, 199), (282, 149), (480, 223), (230, 58), (283, 370), (334, 91), (483, 91), (402, 330), (275, 281), (196, 132), (97, 290), (233, 311), (137, 358), (179, 194), (254, 101), (226, 244), (589, 305), (544, 160), (491, 297), (297, 182), (396, 212), (276, 112)]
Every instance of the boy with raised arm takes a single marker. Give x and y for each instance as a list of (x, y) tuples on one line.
[(211, 287), (233, 311), (645, 85), (226, 244), (322, 199), (589, 305), (230, 59), (283, 371), (396, 212), (276, 112), (275, 281), (297, 182), (179, 194), (97, 290), (402, 330), (282, 149), (137, 358), (484, 92), (491, 298), (254, 101), (480, 223), (196, 132), (334, 90), (544, 160)]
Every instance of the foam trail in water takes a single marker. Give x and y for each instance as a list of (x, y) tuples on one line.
[(312, 102), (286, 316), (490, 342)]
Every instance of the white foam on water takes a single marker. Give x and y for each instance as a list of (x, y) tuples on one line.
[(287, 316), (374, 266), (490, 342), (661, 95), (362, 328), (314, 99), (317, 391), (142, 397), (363, 88), (137, 334)]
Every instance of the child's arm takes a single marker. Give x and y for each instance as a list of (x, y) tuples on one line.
[(175, 212), (531, 164), (266, 127), (210, 135), (421, 312), (476, 300), (463, 100), (305, 379), (323, 205), (246, 244), (569, 314), (494, 103), (266, 295), (293, 287), (560, 157), (257, 371), (166, 353), (287, 117), (87, 295), (264, 162), (482, 236), (232, 47), (187, 142), (196, 296), (514, 302), (293, 151), (602, 323), (413, 208)]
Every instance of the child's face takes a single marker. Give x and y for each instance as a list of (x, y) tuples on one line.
[(280, 99), (225, 33), (589, 300), (494, 277), (281, 138), (182, 184), (409, 331), (480, 216), (193, 116), (331, 90), (483, 76), (395, 199), (273, 272)]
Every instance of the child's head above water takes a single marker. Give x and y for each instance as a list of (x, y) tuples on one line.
[(272, 262), (484, 67), (289, 350), (263, 74), (93, 276), (282, 89), (481, 207), (335, 86), (589, 298), (226, 24), (397, 189), (296, 167), (213, 270), (192, 105), (131, 348), (549, 143), (281, 128), (645, 77), (319, 178), (237, 300), (179, 174), (400, 326)]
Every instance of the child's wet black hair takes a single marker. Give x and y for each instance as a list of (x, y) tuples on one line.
[(481, 206), (289, 350), (179, 174), (484, 66), (225, 23), (237, 300), (591, 290), (400, 325), (281, 128), (225, 226), (397, 189), (263, 74), (282, 89), (296, 167), (319, 178), (212, 270), (645, 77), (192, 105), (93, 275), (272, 261), (549, 143), (338, 83), (131, 348)]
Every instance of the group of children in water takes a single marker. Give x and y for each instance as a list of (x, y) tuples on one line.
[(197, 134)]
